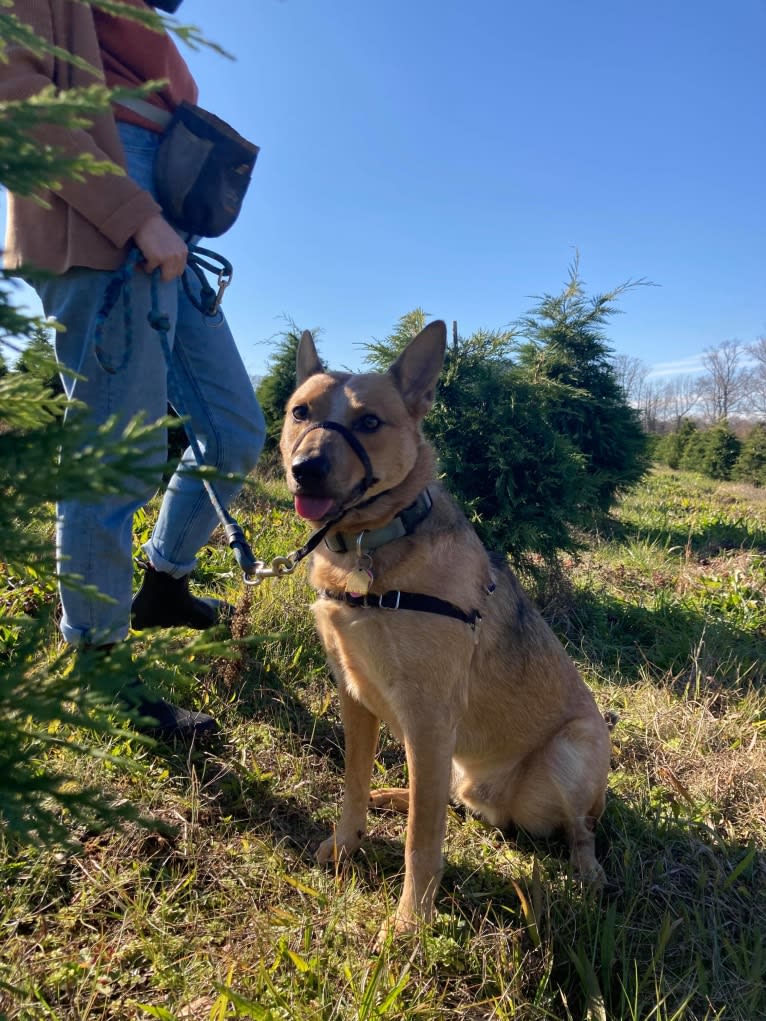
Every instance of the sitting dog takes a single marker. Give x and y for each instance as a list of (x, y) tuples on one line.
[(424, 629)]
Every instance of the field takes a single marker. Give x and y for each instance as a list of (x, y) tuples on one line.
[(219, 911)]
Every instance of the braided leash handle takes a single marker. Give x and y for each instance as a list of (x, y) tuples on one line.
[(117, 286)]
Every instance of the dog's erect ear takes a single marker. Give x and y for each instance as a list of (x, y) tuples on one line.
[(307, 360), (417, 368)]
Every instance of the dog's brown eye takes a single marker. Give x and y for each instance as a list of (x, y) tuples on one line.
[(368, 423), (301, 412)]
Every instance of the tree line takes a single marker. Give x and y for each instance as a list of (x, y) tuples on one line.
[(712, 421), (731, 384)]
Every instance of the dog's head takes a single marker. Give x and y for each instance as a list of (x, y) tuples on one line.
[(348, 438)]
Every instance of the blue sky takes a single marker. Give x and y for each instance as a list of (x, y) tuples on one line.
[(455, 155)]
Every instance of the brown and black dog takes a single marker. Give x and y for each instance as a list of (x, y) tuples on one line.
[(424, 629)]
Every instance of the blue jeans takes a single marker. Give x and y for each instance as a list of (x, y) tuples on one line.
[(208, 383)]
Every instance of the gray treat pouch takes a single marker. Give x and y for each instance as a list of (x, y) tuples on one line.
[(202, 172)]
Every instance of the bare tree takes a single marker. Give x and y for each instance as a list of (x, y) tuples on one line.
[(643, 393), (650, 406), (662, 401), (681, 395), (726, 382), (631, 374)]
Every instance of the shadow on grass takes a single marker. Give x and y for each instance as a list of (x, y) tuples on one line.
[(681, 924), (718, 535), (682, 920), (621, 640), (273, 725)]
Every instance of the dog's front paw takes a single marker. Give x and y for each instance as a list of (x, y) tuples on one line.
[(591, 875), (339, 847), (398, 927)]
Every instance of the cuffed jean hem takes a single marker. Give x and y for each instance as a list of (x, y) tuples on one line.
[(114, 627), (159, 563), (74, 636)]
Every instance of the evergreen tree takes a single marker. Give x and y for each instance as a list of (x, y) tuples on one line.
[(273, 391), (39, 359), (380, 354), (534, 438), (670, 448), (712, 452), (519, 480), (567, 357), (751, 463), (694, 452), (723, 449)]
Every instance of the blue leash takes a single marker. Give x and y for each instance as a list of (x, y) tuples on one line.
[(208, 305)]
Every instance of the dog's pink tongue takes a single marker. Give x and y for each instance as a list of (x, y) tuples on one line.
[(313, 508)]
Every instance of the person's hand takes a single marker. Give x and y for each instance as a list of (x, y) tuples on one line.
[(161, 246)]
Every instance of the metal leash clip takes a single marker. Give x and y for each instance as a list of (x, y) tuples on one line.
[(224, 279), (280, 567), (200, 260)]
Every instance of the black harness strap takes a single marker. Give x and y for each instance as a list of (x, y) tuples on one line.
[(395, 600)]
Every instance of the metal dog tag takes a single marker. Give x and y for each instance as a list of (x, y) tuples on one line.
[(359, 581)]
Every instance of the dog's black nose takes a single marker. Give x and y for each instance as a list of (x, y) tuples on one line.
[(311, 472)]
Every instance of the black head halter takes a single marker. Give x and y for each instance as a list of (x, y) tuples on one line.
[(359, 490), (369, 477)]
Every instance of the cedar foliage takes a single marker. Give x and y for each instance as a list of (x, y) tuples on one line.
[(533, 431), (516, 476), (275, 388), (751, 463), (567, 356), (716, 452), (713, 451), (48, 697), (670, 448)]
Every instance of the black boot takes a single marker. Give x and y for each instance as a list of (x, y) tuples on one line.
[(164, 720), (164, 601)]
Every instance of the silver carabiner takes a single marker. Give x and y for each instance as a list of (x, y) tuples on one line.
[(224, 279), (279, 567)]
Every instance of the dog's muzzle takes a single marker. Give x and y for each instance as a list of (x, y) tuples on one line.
[(311, 472)]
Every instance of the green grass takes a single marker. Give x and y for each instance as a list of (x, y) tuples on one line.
[(222, 911)]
